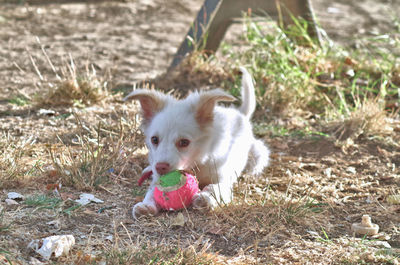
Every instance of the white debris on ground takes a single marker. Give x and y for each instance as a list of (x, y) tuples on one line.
[(15, 196), (11, 202), (86, 198), (59, 245)]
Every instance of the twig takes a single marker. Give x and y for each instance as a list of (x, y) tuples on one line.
[(35, 66)]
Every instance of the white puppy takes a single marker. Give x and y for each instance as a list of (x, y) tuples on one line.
[(195, 134)]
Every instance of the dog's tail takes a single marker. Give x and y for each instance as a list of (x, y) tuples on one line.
[(248, 94)]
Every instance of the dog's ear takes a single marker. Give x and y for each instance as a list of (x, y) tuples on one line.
[(151, 101), (204, 112)]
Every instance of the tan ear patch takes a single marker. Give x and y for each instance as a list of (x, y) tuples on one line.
[(205, 107), (151, 102)]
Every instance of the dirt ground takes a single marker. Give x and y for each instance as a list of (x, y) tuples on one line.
[(132, 41), (136, 40)]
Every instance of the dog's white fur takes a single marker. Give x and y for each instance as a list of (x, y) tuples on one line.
[(221, 141)]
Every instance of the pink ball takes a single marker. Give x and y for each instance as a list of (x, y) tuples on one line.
[(175, 190)]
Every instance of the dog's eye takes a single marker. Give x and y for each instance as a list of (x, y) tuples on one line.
[(183, 143), (154, 140)]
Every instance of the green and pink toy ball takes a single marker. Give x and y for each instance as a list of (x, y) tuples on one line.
[(175, 190)]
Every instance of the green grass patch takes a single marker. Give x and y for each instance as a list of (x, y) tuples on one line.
[(325, 239), (19, 100), (43, 201), (72, 209), (283, 69), (293, 72), (139, 191), (294, 210), (48, 202), (261, 129), (5, 255)]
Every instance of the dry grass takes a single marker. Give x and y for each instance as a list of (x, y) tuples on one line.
[(291, 210), (74, 88), (68, 85), (145, 253), (97, 155), (197, 71), (368, 119), (19, 159)]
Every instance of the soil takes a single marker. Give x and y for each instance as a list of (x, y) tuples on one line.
[(132, 41), (136, 40)]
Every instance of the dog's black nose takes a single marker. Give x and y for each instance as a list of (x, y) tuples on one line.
[(162, 168)]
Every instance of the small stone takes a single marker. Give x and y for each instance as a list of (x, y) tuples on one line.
[(11, 202), (351, 170), (54, 223), (382, 244), (382, 237), (109, 238), (47, 112), (313, 233), (328, 172), (350, 73), (333, 10)]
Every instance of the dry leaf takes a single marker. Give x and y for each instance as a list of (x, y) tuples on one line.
[(178, 220), (138, 199), (89, 212), (66, 196), (52, 174), (349, 61), (53, 186), (215, 231), (393, 199)]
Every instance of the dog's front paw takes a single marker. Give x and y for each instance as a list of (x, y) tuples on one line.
[(204, 200), (142, 208)]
